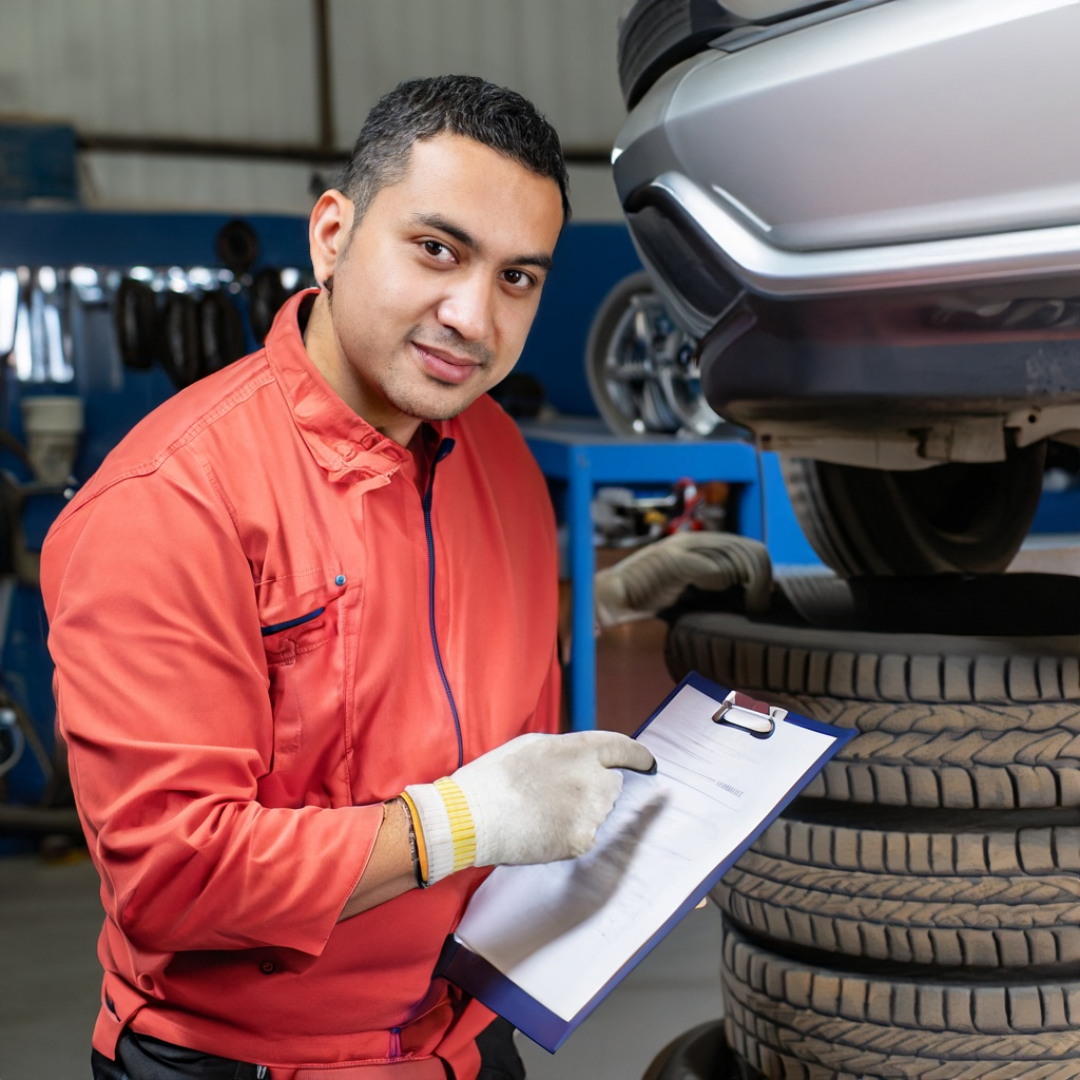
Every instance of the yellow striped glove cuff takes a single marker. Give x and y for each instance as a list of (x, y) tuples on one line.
[(445, 829)]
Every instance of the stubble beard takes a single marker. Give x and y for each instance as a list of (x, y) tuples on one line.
[(427, 406), (421, 405)]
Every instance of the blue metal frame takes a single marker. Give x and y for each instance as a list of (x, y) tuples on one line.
[(117, 238), (583, 456)]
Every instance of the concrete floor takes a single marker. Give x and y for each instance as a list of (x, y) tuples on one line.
[(49, 922)]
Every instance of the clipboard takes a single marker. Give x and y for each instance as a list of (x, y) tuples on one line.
[(542, 946)]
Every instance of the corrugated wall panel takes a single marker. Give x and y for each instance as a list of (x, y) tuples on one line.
[(241, 69), (558, 53), (167, 182), (245, 70)]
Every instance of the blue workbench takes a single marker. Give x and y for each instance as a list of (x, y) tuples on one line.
[(580, 453)]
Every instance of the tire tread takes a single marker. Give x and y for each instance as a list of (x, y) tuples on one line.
[(788, 1018), (935, 730)]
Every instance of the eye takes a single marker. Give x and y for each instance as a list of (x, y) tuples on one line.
[(518, 279), (438, 250)]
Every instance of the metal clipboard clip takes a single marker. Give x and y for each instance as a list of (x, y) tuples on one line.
[(749, 715)]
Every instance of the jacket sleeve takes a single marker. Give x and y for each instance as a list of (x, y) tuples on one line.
[(162, 698)]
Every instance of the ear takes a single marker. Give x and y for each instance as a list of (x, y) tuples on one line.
[(328, 232)]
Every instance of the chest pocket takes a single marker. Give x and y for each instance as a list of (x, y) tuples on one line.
[(302, 623)]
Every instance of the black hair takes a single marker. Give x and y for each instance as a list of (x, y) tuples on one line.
[(463, 105)]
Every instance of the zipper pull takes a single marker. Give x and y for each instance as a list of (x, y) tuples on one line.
[(395, 1043)]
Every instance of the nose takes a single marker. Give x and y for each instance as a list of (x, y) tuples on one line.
[(468, 307)]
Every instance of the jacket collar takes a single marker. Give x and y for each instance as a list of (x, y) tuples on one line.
[(340, 440)]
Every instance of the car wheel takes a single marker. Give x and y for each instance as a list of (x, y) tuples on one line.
[(956, 517), (641, 368)]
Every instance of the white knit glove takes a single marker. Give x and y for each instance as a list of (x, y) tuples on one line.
[(654, 577), (536, 799)]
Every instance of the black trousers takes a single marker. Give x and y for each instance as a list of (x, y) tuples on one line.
[(499, 1059), (139, 1057)]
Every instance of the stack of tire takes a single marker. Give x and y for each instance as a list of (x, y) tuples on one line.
[(916, 913)]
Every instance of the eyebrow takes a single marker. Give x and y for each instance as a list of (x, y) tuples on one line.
[(434, 221)]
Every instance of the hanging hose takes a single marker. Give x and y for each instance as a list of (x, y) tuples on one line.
[(9, 722), (45, 821), (14, 718), (654, 577)]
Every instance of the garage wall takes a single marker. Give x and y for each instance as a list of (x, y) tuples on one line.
[(245, 70), (558, 53), (177, 67)]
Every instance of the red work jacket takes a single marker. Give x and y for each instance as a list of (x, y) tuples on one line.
[(264, 624)]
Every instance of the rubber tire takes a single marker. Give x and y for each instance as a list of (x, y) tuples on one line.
[(135, 318), (181, 340), (701, 1053), (221, 332), (796, 1021), (265, 297), (914, 892), (917, 912), (956, 517), (944, 722)]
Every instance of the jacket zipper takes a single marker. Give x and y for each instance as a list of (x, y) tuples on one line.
[(395, 1043), (444, 448)]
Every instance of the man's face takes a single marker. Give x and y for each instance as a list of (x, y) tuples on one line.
[(435, 290)]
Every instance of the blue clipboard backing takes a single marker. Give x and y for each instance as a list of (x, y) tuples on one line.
[(473, 974)]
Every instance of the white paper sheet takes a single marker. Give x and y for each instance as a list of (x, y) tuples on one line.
[(560, 931)]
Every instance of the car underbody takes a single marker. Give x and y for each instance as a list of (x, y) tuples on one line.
[(866, 218)]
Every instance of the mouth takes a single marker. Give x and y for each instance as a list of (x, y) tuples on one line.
[(445, 366)]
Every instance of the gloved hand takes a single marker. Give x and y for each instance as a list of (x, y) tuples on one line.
[(536, 799), (654, 577)]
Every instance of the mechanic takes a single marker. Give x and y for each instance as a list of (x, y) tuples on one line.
[(304, 627)]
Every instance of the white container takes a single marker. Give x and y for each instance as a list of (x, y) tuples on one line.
[(52, 425)]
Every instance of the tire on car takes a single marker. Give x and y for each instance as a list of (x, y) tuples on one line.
[(955, 517)]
